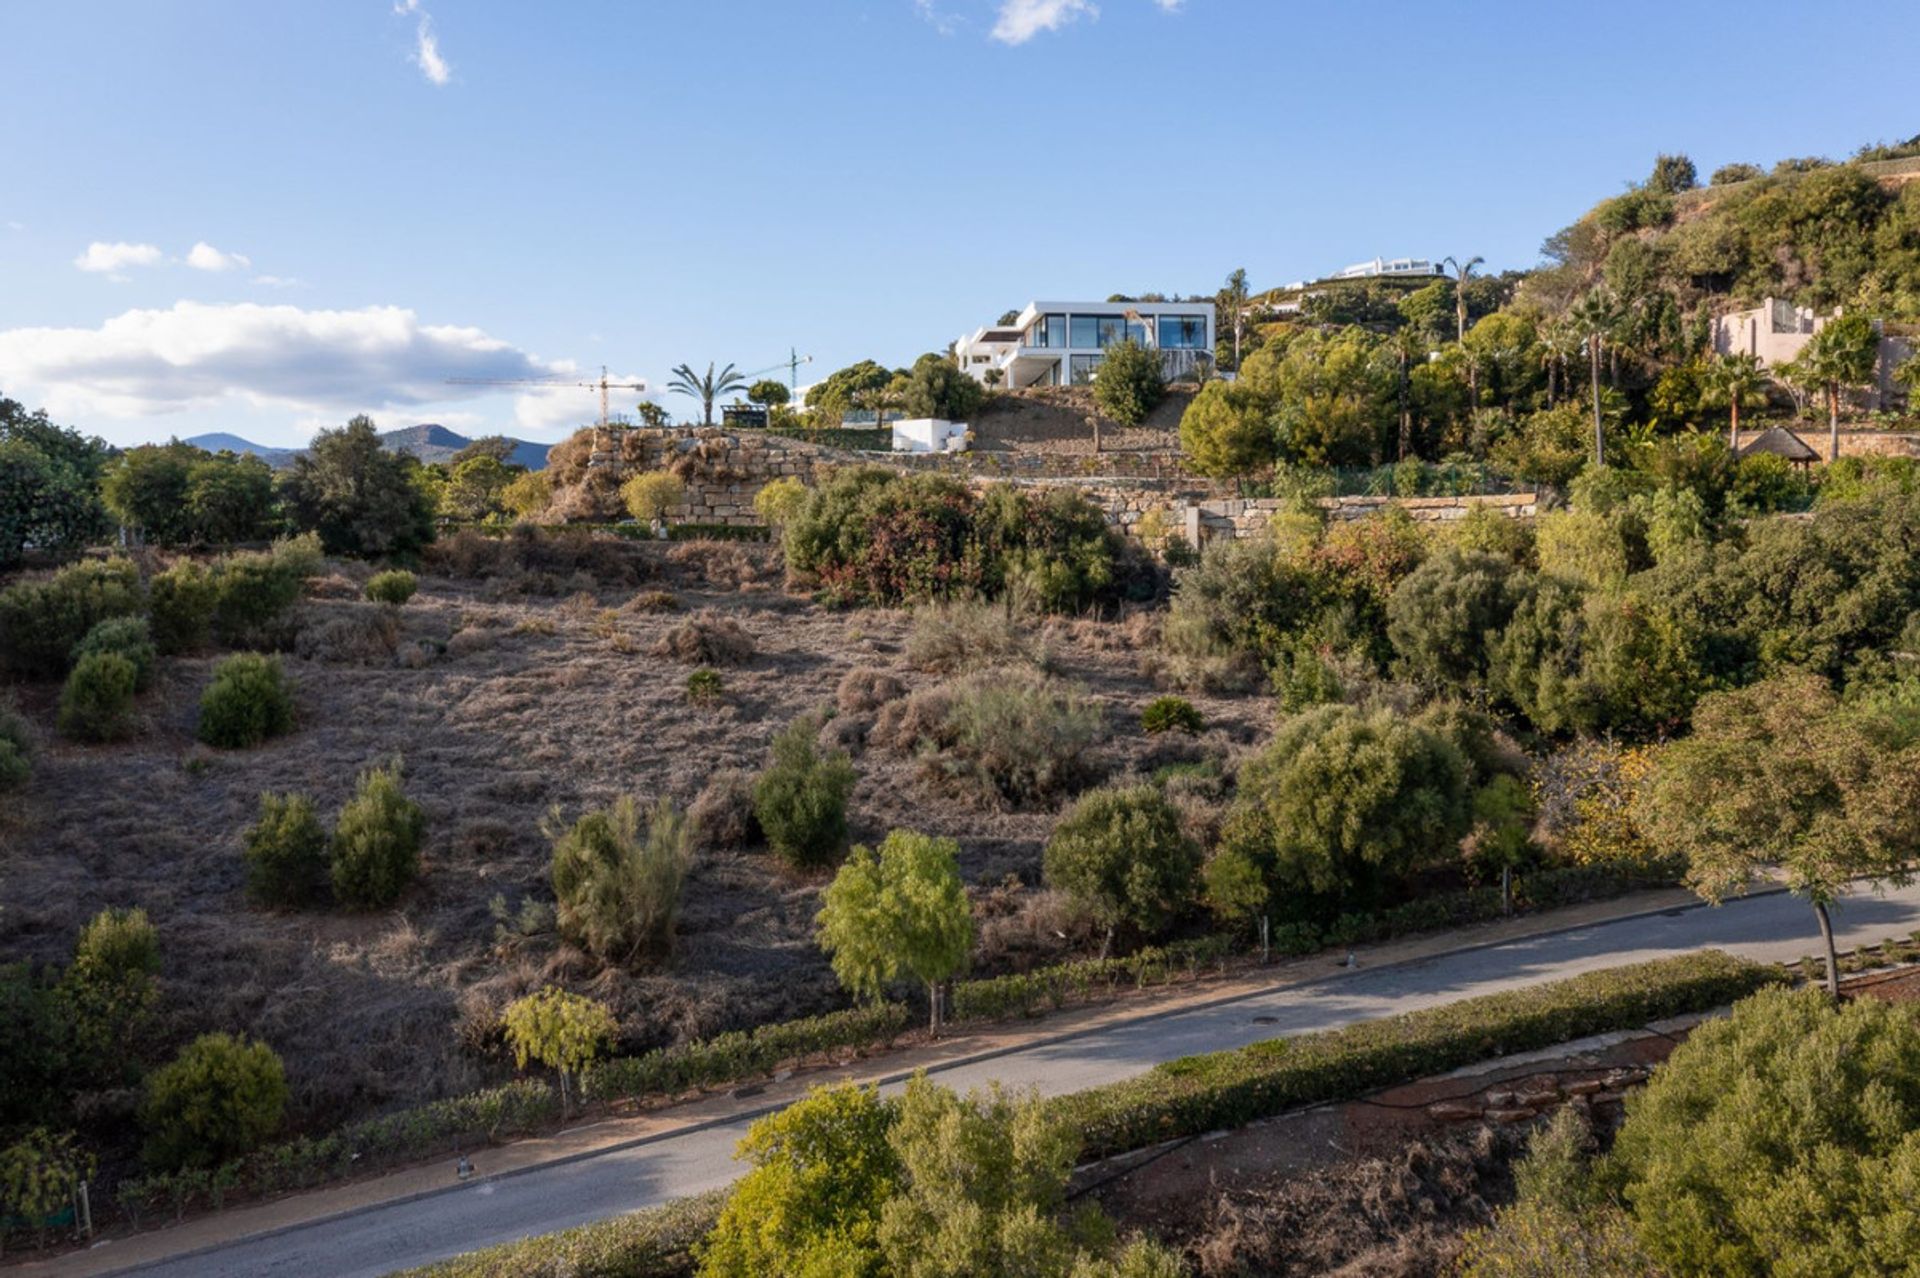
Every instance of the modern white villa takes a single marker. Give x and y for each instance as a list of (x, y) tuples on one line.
[(1062, 343)]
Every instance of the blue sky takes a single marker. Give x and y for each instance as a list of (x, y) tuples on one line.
[(441, 188)]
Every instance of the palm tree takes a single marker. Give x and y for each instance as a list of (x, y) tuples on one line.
[(1595, 317), (1559, 340), (1461, 274), (706, 389), (1842, 354), (1733, 379), (1235, 296)]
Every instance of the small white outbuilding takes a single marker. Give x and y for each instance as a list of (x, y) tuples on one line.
[(929, 435)]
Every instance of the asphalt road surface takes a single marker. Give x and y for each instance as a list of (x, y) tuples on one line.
[(378, 1240)]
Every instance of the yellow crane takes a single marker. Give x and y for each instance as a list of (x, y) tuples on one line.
[(603, 430)]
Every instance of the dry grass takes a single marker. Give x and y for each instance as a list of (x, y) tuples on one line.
[(503, 703)]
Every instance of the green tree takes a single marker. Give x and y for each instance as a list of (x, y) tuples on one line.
[(1734, 381), (618, 875), (1129, 383), (565, 1032), (360, 497), (230, 498), (1332, 395), (107, 994), (1780, 773), (810, 1206), (40, 1176), (1462, 272), (1673, 174), (97, 702), (1840, 357), (49, 485), (707, 388), (1780, 1140), (286, 852), (1344, 803), (767, 392), (1122, 855), (376, 841), (940, 388), (1600, 661), (1224, 431), (1445, 614), (146, 489), (221, 1097), (800, 800), (1597, 317), (900, 913), (475, 488)]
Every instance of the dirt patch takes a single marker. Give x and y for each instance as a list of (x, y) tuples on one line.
[(503, 704), (1059, 420)]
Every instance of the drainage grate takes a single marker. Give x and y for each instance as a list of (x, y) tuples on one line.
[(1266, 1020)]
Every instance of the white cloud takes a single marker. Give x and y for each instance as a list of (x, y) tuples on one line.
[(205, 257), (194, 356), (16, 226), (426, 54), (1021, 20), (1171, 6), (112, 260), (276, 281), (552, 408), (936, 17)]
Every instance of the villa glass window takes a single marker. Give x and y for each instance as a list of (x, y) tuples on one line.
[(1115, 329), (1083, 367), (1086, 332), (1048, 331), (1183, 332)]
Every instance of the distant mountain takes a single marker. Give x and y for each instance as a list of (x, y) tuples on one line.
[(429, 441), (220, 441)]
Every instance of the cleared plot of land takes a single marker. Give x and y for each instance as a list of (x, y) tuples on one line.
[(502, 705)]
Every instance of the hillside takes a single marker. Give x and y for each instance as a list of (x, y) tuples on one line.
[(429, 441)]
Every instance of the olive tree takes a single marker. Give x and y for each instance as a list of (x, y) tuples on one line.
[(1781, 773), (1121, 854), (899, 913)]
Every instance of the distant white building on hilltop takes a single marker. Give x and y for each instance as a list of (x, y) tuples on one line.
[(1062, 343)]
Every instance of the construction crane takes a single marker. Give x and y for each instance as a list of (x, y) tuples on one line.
[(792, 364), (601, 386)]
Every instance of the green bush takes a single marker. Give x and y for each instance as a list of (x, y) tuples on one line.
[(1444, 614), (250, 593), (1015, 736), (617, 881), (1785, 1130), (1057, 984), (97, 703), (705, 685), (1129, 382), (800, 800), (742, 1054), (221, 1097), (1122, 855), (247, 702), (181, 602), (1199, 1094), (1171, 714), (106, 994), (286, 852), (394, 586), (40, 1175), (128, 636), (16, 747), (42, 621), (376, 841)]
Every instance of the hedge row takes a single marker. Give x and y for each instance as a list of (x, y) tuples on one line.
[(655, 1243), (1030, 993), (1198, 1094), (857, 439), (728, 1058), (630, 531)]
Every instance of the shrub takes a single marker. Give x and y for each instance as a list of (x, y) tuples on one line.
[(705, 685), (950, 638), (1129, 383), (901, 913), (779, 500), (97, 703), (181, 602), (42, 621), (708, 639), (800, 800), (562, 1031), (107, 992), (16, 747), (722, 813), (863, 690), (220, 1097), (1783, 1130), (1122, 854), (1227, 1089), (247, 702), (394, 586), (649, 497), (618, 886), (1016, 737), (376, 841), (741, 1054), (252, 591), (1171, 714), (286, 852), (127, 636), (1444, 614), (40, 1174)]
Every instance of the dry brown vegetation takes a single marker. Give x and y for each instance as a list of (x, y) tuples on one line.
[(521, 677)]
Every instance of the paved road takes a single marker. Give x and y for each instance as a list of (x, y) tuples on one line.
[(382, 1239)]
